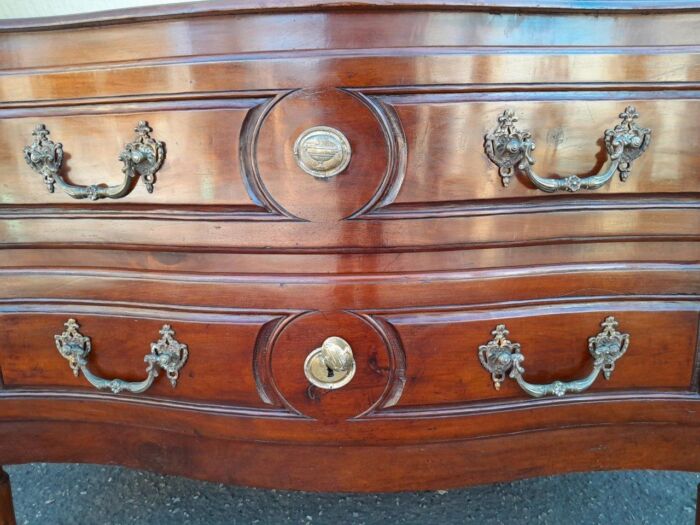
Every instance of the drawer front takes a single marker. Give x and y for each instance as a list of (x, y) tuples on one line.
[(215, 368), (554, 342), (414, 105), (215, 155), (229, 176), (344, 365)]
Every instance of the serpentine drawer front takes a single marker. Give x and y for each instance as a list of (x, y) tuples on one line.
[(352, 248)]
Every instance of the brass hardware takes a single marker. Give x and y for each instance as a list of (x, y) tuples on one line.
[(332, 365), (322, 152), (167, 354), (501, 356), (143, 157), (511, 148)]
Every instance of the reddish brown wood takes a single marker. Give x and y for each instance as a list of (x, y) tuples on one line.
[(413, 255), (218, 7), (7, 513), (407, 467)]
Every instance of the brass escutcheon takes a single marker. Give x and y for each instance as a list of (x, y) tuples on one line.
[(322, 151), (330, 366)]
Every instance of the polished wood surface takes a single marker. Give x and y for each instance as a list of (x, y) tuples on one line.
[(413, 255), (7, 514)]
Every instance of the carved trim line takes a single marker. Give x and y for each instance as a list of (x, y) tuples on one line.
[(397, 363), (506, 311), (197, 9), (157, 402), (248, 154), (695, 379), (534, 205), (355, 250), (495, 406), (360, 278), (262, 363), (248, 98), (397, 154)]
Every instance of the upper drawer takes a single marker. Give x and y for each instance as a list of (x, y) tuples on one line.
[(418, 158), (412, 94), (414, 151)]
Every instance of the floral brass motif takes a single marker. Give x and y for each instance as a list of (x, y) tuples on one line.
[(142, 157), (511, 149), (166, 354), (502, 357)]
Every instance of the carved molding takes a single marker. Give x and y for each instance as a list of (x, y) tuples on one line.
[(254, 185), (395, 373), (397, 155)]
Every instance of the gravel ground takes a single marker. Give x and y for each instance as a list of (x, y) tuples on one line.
[(87, 494)]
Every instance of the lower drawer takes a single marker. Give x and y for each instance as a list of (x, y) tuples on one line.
[(419, 406), (215, 366), (411, 362)]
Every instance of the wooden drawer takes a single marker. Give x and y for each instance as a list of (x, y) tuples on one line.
[(217, 369), (554, 341), (419, 362), (208, 143), (230, 178)]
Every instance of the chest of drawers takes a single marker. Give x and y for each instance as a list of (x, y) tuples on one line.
[(313, 246)]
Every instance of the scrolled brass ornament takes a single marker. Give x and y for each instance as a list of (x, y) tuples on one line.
[(511, 148), (167, 354), (502, 358), (142, 158)]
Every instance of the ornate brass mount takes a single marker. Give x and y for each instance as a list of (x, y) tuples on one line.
[(511, 148), (322, 151), (167, 354), (501, 356), (143, 157), (332, 365)]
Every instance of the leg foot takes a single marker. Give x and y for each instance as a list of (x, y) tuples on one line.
[(7, 513)]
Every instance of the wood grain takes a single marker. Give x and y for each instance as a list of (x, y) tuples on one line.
[(415, 467)]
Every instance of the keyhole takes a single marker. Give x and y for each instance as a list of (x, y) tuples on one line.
[(330, 372)]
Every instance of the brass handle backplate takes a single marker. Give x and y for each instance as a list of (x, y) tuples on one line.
[(511, 148), (167, 354), (143, 157), (332, 365), (501, 356)]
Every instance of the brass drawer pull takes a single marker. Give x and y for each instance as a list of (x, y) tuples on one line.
[(167, 354), (500, 356), (143, 157), (511, 148), (332, 365)]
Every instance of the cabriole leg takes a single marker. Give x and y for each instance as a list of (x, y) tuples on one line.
[(7, 512)]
